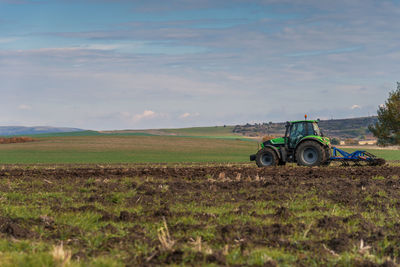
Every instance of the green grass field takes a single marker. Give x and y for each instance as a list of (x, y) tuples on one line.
[(126, 149), (86, 148), (203, 131)]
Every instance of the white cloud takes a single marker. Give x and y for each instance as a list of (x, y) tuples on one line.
[(7, 40), (188, 115), (24, 107), (355, 107), (184, 115), (133, 119), (147, 114), (103, 46)]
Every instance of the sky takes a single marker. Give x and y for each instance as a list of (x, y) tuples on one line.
[(119, 64)]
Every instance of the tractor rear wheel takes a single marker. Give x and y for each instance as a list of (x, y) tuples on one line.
[(266, 157), (328, 154), (310, 153)]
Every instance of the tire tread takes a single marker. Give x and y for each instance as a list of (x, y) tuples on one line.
[(321, 153), (266, 150)]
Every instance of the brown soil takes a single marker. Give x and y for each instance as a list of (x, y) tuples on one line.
[(358, 189), (16, 140)]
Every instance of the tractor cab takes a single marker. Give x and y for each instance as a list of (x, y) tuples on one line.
[(297, 130)]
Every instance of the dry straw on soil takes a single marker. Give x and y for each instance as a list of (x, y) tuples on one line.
[(166, 242), (61, 255)]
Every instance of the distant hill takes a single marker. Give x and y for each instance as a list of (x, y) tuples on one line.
[(354, 128), (339, 128), (21, 130), (348, 128)]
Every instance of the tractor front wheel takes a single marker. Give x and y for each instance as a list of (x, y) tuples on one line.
[(310, 153), (266, 157)]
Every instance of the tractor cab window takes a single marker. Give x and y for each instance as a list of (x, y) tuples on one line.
[(297, 131), (309, 130)]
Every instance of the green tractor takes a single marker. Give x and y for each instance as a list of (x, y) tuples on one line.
[(303, 143)]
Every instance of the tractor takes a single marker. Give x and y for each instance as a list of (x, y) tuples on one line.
[(305, 145)]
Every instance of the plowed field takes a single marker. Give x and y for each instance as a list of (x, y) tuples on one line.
[(230, 215)]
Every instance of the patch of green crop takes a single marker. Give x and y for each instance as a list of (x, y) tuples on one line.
[(87, 221), (106, 262), (27, 260), (114, 149), (21, 246), (26, 211), (202, 131), (259, 257)]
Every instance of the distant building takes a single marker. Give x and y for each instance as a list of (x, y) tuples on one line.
[(350, 142), (367, 142)]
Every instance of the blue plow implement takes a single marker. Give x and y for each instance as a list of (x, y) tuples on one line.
[(357, 157)]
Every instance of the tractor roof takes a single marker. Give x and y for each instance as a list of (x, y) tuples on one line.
[(304, 121)]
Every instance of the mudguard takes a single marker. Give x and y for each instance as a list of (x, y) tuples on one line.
[(278, 153), (313, 139)]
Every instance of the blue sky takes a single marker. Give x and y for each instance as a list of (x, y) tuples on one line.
[(153, 64)]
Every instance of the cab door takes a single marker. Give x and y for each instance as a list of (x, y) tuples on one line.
[(297, 132)]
